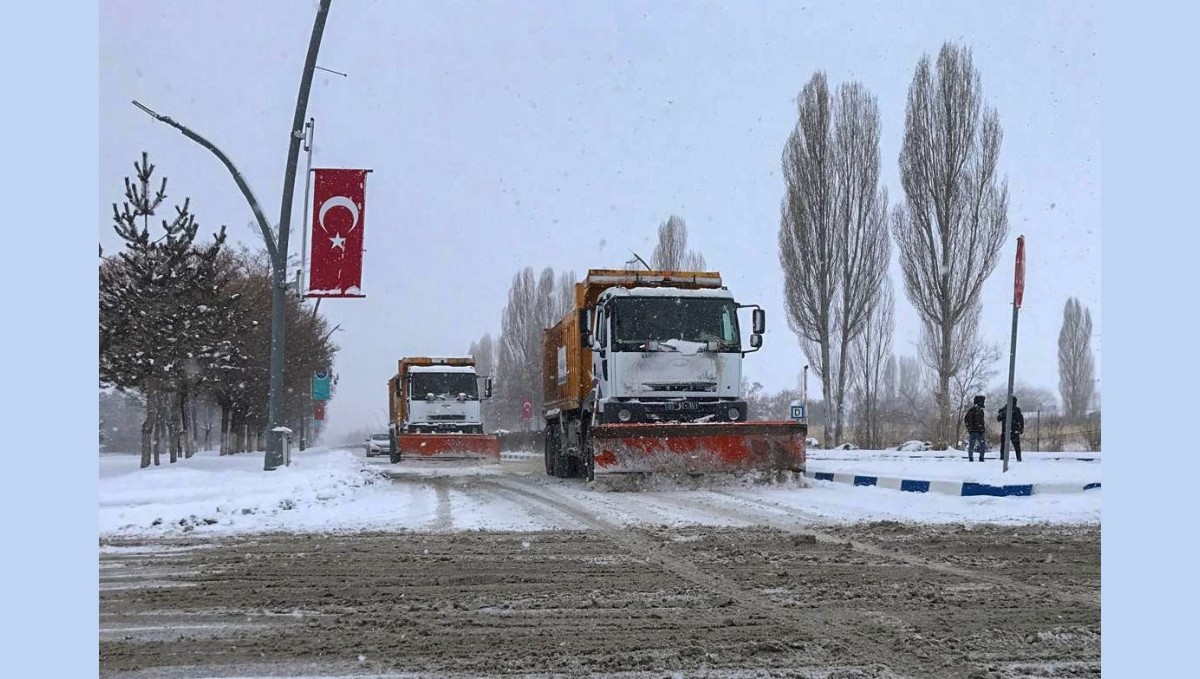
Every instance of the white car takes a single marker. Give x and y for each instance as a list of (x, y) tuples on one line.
[(846, 446), (812, 443), (915, 446), (378, 444)]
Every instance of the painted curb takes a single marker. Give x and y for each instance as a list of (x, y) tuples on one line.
[(956, 488), (517, 456)]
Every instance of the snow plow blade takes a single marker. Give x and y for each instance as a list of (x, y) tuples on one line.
[(448, 447), (706, 448)]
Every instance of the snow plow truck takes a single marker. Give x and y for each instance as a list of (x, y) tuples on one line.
[(643, 376), (433, 411)]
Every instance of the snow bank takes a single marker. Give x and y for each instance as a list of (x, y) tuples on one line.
[(231, 492)]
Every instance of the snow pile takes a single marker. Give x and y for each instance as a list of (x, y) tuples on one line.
[(231, 492)]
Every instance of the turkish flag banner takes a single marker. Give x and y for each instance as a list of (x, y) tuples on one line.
[(339, 210)]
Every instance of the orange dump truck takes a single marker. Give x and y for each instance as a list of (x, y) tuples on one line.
[(434, 413), (644, 375)]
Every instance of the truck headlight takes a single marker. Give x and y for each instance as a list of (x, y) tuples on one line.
[(734, 414), (624, 415)]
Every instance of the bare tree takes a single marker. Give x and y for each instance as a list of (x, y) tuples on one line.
[(833, 242), (484, 353), (534, 304), (861, 224), (955, 214), (911, 410), (672, 253), (872, 358), (1076, 365), (975, 364)]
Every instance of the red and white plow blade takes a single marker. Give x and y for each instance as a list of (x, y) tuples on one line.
[(725, 447), (449, 446)]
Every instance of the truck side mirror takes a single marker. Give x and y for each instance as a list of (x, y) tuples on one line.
[(487, 387), (755, 341), (759, 323), (585, 338)]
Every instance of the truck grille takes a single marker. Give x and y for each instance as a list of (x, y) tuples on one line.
[(683, 386)]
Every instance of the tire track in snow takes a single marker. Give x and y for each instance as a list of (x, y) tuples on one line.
[(636, 542), (444, 520), (809, 528)]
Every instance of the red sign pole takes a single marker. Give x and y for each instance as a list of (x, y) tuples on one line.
[(1018, 295), (1019, 276)]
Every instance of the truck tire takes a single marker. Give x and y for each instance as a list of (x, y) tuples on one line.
[(393, 452)]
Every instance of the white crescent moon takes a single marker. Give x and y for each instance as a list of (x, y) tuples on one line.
[(337, 201)]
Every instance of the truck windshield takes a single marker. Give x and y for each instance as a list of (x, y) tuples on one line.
[(637, 320), (444, 385)]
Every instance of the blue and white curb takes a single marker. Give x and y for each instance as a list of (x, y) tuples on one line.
[(518, 456), (956, 488)]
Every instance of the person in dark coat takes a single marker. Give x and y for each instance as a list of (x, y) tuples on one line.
[(976, 423), (1018, 426)]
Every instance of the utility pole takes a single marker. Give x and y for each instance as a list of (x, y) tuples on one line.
[(804, 391), (277, 248)]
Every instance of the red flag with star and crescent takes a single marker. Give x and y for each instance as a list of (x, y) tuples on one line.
[(339, 210)]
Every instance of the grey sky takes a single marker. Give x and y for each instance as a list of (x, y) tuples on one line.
[(503, 135)]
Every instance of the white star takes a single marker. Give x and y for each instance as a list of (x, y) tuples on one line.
[(338, 242)]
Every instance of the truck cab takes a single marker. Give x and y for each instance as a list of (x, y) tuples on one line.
[(667, 354), (442, 398)]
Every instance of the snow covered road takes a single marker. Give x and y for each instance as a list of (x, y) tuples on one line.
[(341, 566), (341, 491)]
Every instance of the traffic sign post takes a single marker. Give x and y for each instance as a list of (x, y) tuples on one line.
[(1018, 296), (527, 415), (797, 411)]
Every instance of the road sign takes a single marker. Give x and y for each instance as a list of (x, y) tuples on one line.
[(320, 385), (527, 410), (319, 410), (797, 410)]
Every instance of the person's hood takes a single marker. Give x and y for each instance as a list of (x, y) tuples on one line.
[(978, 400)]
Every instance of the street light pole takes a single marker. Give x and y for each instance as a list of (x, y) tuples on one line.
[(804, 391), (277, 246), (275, 445)]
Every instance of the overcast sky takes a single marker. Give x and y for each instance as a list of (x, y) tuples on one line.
[(505, 135)]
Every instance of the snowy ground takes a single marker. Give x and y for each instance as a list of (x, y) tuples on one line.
[(342, 566), (341, 491)]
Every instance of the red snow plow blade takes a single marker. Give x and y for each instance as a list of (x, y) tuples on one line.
[(448, 447), (723, 447)]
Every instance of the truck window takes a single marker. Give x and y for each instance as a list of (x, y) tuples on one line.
[(444, 385), (659, 319)]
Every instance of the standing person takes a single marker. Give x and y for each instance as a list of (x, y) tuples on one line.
[(976, 423), (1018, 426)]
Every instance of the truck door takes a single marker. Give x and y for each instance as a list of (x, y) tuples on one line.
[(600, 358)]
